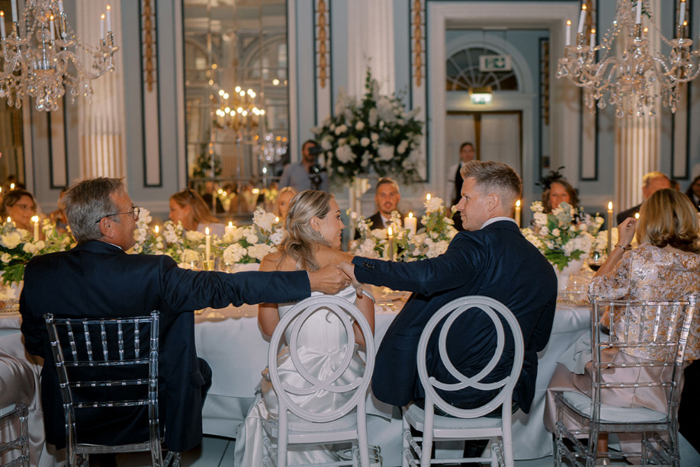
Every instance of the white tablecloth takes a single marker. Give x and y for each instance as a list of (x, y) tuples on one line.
[(230, 341)]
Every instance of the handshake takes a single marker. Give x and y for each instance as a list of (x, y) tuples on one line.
[(333, 278)]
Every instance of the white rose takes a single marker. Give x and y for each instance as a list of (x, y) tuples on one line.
[(194, 236), (264, 220), (345, 154), (29, 248), (386, 153), (189, 255), (6, 258), (374, 137), (40, 245), (11, 240), (340, 129), (359, 126), (277, 237), (379, 233), (556, 232), (365, 141), (259, 251), (433, 204), (540, 219), (251, 239), (234, 253)]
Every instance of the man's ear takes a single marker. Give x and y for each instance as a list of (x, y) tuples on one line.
[(107, 227), (493, 201)]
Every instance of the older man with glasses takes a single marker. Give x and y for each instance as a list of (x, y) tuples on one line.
[(97, 279)]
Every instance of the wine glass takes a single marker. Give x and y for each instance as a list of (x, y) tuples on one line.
[(596, 260)]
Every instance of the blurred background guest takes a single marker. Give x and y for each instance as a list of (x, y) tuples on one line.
[(651, 183), (693, 192), (189, 208), (284, 198), (58, 216), (306, 174), (466, 154), (557, 190), (19, 204)]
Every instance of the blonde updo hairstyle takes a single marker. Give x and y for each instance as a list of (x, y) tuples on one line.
[(300, 237), (668, 217)]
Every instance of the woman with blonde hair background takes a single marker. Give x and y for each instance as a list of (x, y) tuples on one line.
[(664, 267), (312, 241), (284, 199), (189, 208)]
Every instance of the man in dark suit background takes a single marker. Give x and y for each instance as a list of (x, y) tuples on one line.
[(466, 154), (490, 258), (98, 279), (651, 183), (387, 197)]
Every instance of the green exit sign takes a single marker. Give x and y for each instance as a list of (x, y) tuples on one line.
[(495, 63)]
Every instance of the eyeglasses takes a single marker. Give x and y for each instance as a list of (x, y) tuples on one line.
[(24, 207), (135, 211)]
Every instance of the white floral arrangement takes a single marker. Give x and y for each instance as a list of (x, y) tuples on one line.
[(564, 235), (250, 244), (17, 247), (376, 132), (429, 241)]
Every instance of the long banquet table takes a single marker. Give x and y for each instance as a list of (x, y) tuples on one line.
[(230, 341)]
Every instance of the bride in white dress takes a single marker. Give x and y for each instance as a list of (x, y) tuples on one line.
[(313, 240)]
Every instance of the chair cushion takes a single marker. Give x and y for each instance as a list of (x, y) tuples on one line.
[(612, 413), (348, 422), (6, 410), (416, 416)]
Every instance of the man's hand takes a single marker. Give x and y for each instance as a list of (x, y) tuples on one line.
[(329, 280), (349, 270)]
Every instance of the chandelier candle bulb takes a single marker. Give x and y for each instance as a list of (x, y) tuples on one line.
[(568, 32), (638, 16), (35, 219), (610, 226), (52, 29), (14, 11), (517, 212), (682, 15), (229, 229), (2, 24), (109, 18), (102, 27), (60, 6), (582, 19), (411, 223), (592, 40), (207, 252)]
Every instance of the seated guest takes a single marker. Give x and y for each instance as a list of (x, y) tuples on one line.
[(58, 217), (387, 198), (665, 267), (98, 279), (19, 205), (557, 190), (490, 258), (651, 183), (693, 192), (284, 198), (189, 208), (313, 240)]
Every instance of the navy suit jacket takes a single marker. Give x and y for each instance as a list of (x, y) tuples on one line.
[(629, 213), (96, 279), (496, 261)]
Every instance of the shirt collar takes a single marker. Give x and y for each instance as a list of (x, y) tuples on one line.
[(498, 219)]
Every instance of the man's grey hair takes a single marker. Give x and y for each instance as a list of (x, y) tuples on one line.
[(496, 177), (646, 180), (88, 201), (388, 181)]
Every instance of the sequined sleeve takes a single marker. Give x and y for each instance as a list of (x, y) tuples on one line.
[(616, 283)]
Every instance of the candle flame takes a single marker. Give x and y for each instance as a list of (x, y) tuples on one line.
[(410, 215), (157, 228), (568, 22), (610, 208), (277, 219), (636, 216), (390, 232), (230, 224), (102, 17), (109, 7), (35, 219), (9, 220), (517, 204), (12, 186), (206, 230), (592, 31), (51, 18), (583, 7), (685, 23), (427, 197), (2, 13)]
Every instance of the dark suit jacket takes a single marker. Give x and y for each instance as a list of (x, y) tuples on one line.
[(96, 279), (496, 261), (629, 213)]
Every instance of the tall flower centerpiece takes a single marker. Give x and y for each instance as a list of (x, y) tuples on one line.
[(376, 132), (563, 236)]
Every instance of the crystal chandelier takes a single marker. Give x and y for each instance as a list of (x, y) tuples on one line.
[(635, 80), (40, 56), (238, 112)]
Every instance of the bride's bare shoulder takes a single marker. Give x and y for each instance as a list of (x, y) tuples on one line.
[(331, 256), (277, 262)]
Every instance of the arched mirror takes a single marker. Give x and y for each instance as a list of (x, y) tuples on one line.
[(236, 94)]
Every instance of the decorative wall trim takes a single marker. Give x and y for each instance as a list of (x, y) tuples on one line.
[(58, 149), (179, 25), (292, 78), (680, 135), (419, 78), (322, 60), (150, 96)]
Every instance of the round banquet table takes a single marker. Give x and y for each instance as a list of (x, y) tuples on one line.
[(230, 341)]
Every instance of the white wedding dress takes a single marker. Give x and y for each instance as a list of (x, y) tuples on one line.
[(322, 346)]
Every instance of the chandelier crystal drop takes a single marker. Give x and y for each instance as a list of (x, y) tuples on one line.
[(633, 81), (40, 56), (238, 112)]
